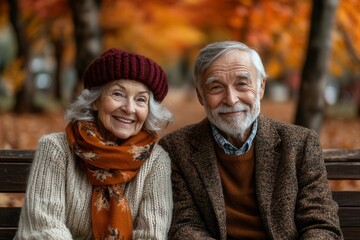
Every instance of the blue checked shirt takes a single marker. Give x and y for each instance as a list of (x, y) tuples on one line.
[(228, 147)]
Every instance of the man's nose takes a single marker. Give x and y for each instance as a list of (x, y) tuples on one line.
[(231, 97)]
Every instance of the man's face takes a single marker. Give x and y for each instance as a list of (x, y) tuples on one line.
[(230, 93)]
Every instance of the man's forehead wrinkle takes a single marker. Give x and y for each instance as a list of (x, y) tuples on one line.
[(211, 79), (217, 73), (233, 68), (242, 74), (237, 75)]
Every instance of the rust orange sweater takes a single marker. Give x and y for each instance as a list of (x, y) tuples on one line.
[(242, 214)]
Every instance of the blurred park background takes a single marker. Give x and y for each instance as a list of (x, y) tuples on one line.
[(310, 49)]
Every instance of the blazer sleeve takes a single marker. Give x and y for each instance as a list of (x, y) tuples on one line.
[(187, 221), (316, 211)]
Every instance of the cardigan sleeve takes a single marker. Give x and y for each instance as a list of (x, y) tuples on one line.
[(155, 208), (43, 213)]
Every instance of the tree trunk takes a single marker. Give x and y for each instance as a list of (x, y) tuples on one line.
[(311, 103), (23, 101), (87, 34), (58, 46)]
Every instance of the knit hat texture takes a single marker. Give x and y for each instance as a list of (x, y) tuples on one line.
[(115, 64)]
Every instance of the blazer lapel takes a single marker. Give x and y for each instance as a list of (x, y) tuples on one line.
[(266, 164), (204, 159)]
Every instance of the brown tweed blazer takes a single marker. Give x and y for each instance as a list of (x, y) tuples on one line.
[(291, 184)]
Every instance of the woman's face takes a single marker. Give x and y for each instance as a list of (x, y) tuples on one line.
[(122, 108)]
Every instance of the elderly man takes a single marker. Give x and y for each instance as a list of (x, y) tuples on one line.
[(238, 174)]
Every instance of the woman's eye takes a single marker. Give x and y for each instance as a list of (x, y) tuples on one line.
[(118, 94), (141, 100)]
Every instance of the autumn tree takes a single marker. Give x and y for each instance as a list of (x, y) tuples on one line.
[(23, 101), (311, 103), (88, 38), (172, 32), (56, 28)]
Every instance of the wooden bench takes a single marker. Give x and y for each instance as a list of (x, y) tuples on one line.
[(340, 165)]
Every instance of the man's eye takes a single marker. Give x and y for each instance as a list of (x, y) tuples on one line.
[(215, 88), (242, 83)]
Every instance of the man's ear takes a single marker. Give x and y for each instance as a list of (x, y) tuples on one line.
[(200, 98), (262, 88)]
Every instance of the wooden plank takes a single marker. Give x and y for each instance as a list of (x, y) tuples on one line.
[(341, 155), (351, 233), (9, 216), (16, 155), (343, 170), (349, 217), (347, 198), (13, 177), (7, 233)]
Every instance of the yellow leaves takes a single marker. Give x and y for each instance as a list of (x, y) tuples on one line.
[(154, 30), (14, 75), (191, 1), (163, 29), (346, 38), (274, 68)]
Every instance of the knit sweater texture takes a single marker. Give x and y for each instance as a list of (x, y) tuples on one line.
[(58, 197), (237, 174)]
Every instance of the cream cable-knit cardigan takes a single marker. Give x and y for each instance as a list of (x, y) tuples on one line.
[(57, 202)]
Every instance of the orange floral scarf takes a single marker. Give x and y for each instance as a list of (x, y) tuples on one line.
[(108, 165)]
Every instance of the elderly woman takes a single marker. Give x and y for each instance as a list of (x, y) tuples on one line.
[(105, 177)]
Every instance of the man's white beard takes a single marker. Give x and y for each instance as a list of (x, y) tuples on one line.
[(234, 126)]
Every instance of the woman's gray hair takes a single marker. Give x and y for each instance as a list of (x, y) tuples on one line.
[(214, 50), (81, 109)]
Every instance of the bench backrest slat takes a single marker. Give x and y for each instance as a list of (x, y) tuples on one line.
[(7, 233), (350, 216), (340, 165), (14, 176), (9, 216), (343, 170), (17, 155), (347, 198)]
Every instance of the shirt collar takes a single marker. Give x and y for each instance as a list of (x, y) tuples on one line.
[(228, 147)]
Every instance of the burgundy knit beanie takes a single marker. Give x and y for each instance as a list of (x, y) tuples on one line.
[(115, 64)]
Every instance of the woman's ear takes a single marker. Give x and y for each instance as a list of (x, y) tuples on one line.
[(94, 106)]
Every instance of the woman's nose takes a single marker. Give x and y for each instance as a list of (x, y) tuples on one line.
[(128, 107)]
